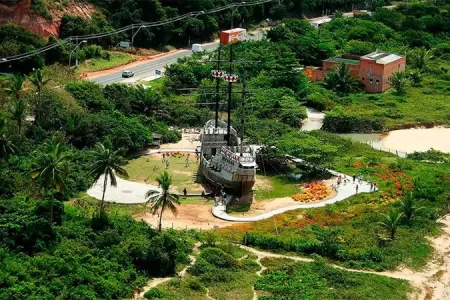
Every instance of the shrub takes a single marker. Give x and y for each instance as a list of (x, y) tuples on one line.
[(350, 123), (218, 258), (154, 293), (195, 284)]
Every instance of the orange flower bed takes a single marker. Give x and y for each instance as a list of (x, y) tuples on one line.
[(314, 191)]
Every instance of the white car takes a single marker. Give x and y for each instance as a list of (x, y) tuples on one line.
[(197, 48)]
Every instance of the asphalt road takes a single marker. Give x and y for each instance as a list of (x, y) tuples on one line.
[(147, 70)]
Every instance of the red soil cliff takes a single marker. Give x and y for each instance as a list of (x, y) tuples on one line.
[(20, 14)]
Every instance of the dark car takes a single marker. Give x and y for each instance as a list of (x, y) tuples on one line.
[(127, 74)]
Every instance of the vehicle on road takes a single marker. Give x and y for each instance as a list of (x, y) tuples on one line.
[(197, 48), (233, 35), (127, 74)]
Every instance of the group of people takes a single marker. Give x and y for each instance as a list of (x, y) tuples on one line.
[(187, 161), (220, 197), (357, 180)]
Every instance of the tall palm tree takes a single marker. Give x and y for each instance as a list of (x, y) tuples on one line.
[(52, 168), (7, 147), (160, 200), (147, 101), (409, 208), (421, 59), (14, 85), (390, 221), (18, 110), (341, 80), (107, 163), (398, 81), (37, 79)]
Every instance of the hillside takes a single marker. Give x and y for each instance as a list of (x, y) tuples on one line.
[(21, 13)]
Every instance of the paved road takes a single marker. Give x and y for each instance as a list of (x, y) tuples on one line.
[(147, 70)]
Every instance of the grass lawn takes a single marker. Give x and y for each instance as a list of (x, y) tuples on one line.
[(147, 168), (155, 84), (286, 279), (99, 64), (275, 186), (427, 103)]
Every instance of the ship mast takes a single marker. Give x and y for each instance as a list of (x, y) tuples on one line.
[(230, 84), (244, 92), (217, 90)]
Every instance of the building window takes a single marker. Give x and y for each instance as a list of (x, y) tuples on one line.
[(371, 81), (377, 82), (399, 66)]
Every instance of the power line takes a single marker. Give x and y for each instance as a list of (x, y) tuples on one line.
[(129, 27)]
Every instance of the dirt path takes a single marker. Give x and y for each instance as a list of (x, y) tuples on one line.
[(157, 281), (432, 283)]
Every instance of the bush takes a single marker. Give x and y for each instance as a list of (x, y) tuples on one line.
[(219, 258), (154, 293), (195, 284), (350, 123)]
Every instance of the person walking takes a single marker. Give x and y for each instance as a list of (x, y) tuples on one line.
[(345, 179), (163, 157), (357, 188), (371, 186), (354, 178), (187, 164), (167, 164), (375, 188), (185, 192)]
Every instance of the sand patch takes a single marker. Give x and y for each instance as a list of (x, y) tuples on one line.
[(196, 216), (410, 140), (261, 183)]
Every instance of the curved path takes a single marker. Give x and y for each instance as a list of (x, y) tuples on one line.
[(343, 192), (314, 120)]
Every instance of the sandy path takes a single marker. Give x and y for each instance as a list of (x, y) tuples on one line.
[(410, 140), (432, 283), (156, 281), (189, 216)]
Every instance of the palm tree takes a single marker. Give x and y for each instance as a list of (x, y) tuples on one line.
[(409, 208), (107, 163), (147, 101), (14, 85), (421, 59), (160, 200), (37, 79), (341, 80), (390, 221), (7, 147), (52, 168), (415, 76), (18, 111), (398, 81)]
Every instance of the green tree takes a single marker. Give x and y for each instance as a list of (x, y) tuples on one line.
[(107, 163), (14, 85), (7, 147), (51, 168), (409, 207), (390, 221), (398, 81), (38, 81), (18, 110), (146, 101), (421, 59), (341, 80), (160, 200)]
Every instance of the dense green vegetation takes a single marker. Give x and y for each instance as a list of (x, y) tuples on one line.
[(74, 258), (285, 279)]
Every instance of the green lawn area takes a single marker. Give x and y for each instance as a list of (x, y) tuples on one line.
[(275, 186), (155, 84), (98, 64), (147, 168), (286, 279), (428, 103)]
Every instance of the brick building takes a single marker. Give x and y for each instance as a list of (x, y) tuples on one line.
[(373, 69)]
